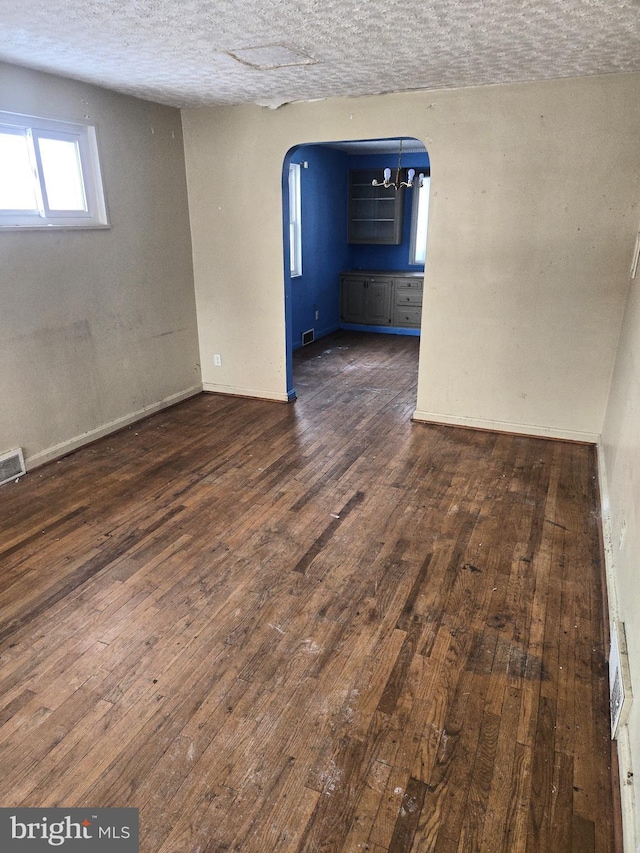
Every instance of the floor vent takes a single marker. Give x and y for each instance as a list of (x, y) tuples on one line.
[(619, 680), (307, 337), (11, 466)]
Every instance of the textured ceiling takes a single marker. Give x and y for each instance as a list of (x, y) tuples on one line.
[(195, 52)]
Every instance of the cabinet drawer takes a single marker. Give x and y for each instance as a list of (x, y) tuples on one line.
[(413, 283), (407, 316), (408, 295)]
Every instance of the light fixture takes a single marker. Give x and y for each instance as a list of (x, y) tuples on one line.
[(397, 184)]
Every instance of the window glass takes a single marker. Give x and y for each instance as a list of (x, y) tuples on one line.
[(17, 187), (419, 222), (295, 224), (62, 173)]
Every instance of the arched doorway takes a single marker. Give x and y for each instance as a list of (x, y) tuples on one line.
[(321, 241)]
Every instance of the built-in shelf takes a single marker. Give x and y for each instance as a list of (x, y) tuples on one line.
[(375, 213)]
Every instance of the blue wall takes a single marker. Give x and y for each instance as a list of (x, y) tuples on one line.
[(325, 251), (366, 257)]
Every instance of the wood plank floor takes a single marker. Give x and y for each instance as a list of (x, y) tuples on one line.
[(311, 627)]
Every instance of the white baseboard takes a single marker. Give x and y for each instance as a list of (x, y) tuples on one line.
[(245, 392), (627, 791), (505, 426), (625, 766), (64, 447)]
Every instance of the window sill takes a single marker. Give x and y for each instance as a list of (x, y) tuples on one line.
[(18, 228)]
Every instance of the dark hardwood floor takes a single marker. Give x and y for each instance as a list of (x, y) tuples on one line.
[(311, 627)]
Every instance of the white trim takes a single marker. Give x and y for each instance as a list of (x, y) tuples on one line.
[(625, 765), (505, 426), (233, 391), (64, 447)]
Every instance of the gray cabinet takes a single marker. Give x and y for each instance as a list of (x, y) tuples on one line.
[(375, 213), (407, 308), (381, 298), (367, 299)]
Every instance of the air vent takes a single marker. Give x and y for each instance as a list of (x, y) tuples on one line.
[(619, 680), (11, 465), (307, 337)]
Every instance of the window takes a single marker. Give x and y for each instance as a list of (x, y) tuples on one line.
[(49, 174), (419, 220), (295, 224)]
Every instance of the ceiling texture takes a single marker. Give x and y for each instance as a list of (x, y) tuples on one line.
[(193, 53)]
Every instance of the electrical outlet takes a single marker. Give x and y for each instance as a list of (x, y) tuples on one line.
[(217, 361), (317, 315)]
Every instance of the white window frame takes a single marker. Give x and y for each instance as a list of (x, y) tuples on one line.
[(295, 221), (34, 129), (418, 243)]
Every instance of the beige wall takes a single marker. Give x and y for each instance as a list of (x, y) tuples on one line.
[(533, 191), (98, 325), (621, 488)]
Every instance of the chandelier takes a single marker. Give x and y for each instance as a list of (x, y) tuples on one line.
[(397, 184)]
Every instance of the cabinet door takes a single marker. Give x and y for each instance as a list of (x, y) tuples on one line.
[(378, 302), (352, 309)]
